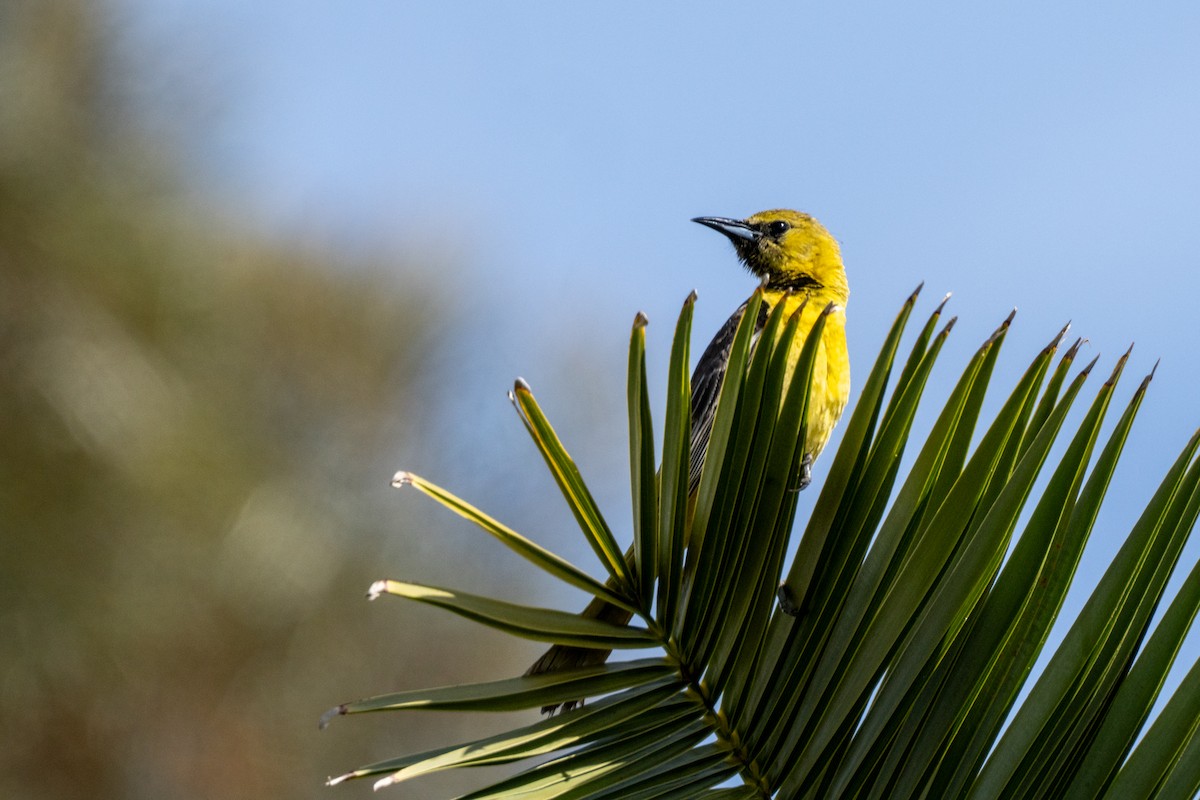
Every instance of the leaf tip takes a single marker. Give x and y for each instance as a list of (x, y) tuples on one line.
[(640, 320), (1000, 331), (999, 334), (1119, 368), (912, 298), (377, 588), (1150, 377), (690, 300), (1057, 340), (1073, 350), (326, 718), (401, 479), (937, 312), (1144, 385), (383, 783), (799, 312), (1088, 369), (520, 385)]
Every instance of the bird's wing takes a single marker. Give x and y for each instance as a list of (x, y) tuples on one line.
[(706, 387)]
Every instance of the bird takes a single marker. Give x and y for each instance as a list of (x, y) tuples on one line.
[(799, 264)]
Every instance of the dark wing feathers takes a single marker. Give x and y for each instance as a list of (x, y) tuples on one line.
[(706, 387)]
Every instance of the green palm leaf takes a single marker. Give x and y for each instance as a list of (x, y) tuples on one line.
[(540, 624), (888, 660)]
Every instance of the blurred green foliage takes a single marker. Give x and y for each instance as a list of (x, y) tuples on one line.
[(189, 418)]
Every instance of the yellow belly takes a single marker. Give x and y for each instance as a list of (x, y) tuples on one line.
[(831, 372)]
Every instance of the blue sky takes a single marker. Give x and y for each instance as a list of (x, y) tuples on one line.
[(1024, 156)]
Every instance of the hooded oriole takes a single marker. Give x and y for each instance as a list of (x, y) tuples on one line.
[(799, 263)]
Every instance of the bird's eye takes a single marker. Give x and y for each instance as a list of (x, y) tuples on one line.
[(778, 228)]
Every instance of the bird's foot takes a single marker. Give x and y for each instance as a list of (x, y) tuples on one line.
[(805, 473)]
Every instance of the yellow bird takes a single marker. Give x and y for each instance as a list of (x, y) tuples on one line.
[(800, 264)]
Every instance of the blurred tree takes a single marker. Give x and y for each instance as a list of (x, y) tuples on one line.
[(189, 418)]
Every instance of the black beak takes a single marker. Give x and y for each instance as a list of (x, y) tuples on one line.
[(737, 230)]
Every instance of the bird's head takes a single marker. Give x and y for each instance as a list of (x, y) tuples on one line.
[(787, 249)]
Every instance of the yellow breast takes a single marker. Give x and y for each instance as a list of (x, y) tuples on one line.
[(831, 372)]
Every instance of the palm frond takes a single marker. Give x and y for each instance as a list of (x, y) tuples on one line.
[(888, 660)]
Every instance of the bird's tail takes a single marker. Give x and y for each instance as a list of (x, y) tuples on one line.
[(561, 657)]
